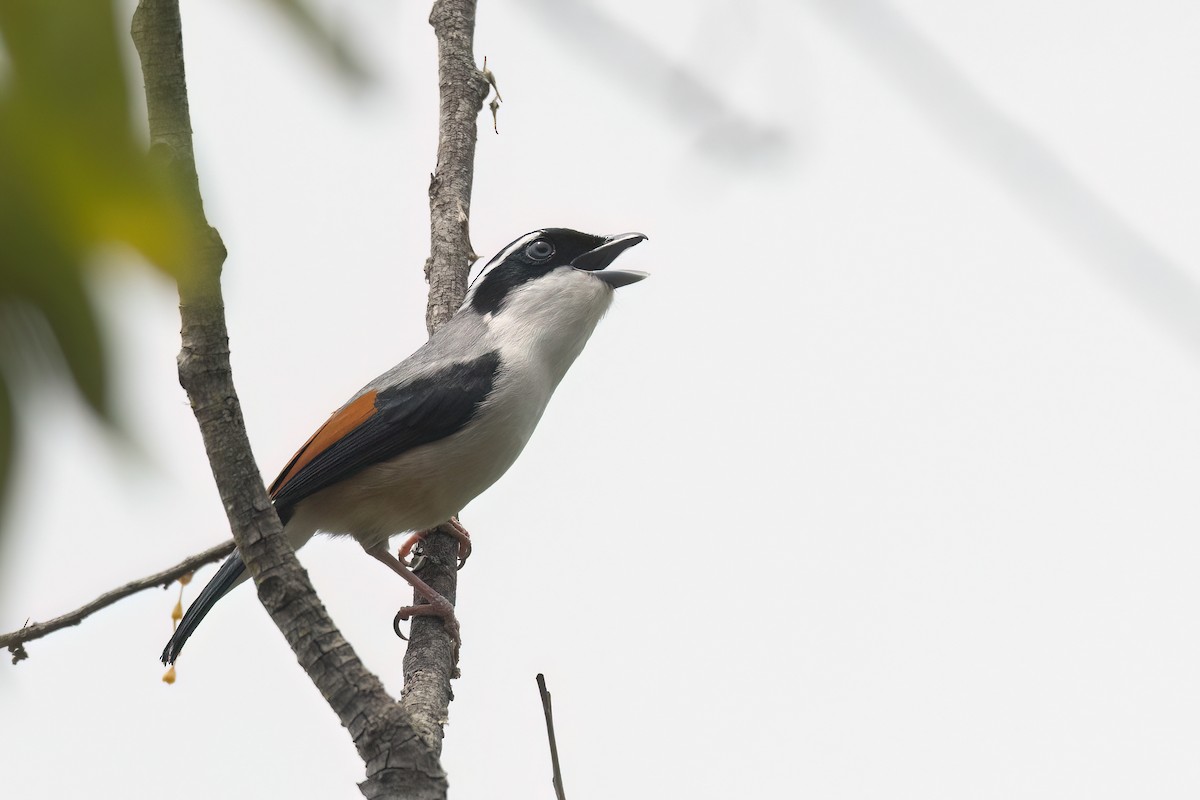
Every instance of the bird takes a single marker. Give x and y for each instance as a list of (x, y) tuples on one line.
[(415, 445)]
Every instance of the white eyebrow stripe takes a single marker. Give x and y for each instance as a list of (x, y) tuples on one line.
[(506, 252), (499, 258)]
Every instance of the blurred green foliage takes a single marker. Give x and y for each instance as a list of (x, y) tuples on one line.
[(75, 175)]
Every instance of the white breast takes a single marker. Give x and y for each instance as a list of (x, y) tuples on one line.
[(424, 487)]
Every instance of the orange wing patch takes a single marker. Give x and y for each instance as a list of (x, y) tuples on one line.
[(341, 423)]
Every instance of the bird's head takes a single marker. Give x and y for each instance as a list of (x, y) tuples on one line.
[(552, 267)]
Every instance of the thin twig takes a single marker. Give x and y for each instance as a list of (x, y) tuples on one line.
[(559, 792), (14, 641)]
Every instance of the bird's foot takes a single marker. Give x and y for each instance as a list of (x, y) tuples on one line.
[(437, 605), (451, 526)]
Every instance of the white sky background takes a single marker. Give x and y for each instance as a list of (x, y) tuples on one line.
[(881, 486)]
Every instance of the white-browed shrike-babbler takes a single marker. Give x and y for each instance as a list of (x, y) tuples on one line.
[(422, 440)]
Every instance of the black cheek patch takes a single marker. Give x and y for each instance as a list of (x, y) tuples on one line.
[(497, 284)]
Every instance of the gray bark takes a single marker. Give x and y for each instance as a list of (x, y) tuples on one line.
[(400, 743), (428, 665), (399, 762), (462, 90)]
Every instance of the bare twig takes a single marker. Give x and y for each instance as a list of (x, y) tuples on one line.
[(15, 641), (428, 664), (559, 792), (399, 764)]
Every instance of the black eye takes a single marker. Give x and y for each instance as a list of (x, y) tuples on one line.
[(540, 250)]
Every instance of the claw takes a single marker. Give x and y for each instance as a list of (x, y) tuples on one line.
[(453, 527), (440, 608), (463, 536), (410, 542)]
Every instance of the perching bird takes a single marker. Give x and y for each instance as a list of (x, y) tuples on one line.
[(422, 440)]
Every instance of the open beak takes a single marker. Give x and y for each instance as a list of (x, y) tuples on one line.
[(596, 261)]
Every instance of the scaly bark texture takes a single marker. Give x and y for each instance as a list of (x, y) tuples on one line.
[(462, 89), (398, 762), (428, 665)]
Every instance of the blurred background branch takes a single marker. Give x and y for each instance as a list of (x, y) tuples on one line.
[(1018, 160), (675, 90)]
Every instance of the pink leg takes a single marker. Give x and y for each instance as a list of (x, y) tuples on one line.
[(438, 605), (453, 527)]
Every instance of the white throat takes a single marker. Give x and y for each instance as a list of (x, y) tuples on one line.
[(548, 320)]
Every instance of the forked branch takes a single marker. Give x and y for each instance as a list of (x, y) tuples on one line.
[(399, 764)]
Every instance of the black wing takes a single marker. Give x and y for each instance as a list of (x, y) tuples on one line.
[(381, 425)]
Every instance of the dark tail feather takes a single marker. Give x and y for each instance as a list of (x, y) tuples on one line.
[(221, 583)]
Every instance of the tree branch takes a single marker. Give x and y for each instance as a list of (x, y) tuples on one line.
[(399, 742), (398, 763), (428, 664), (15, 641), (462, 89)]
